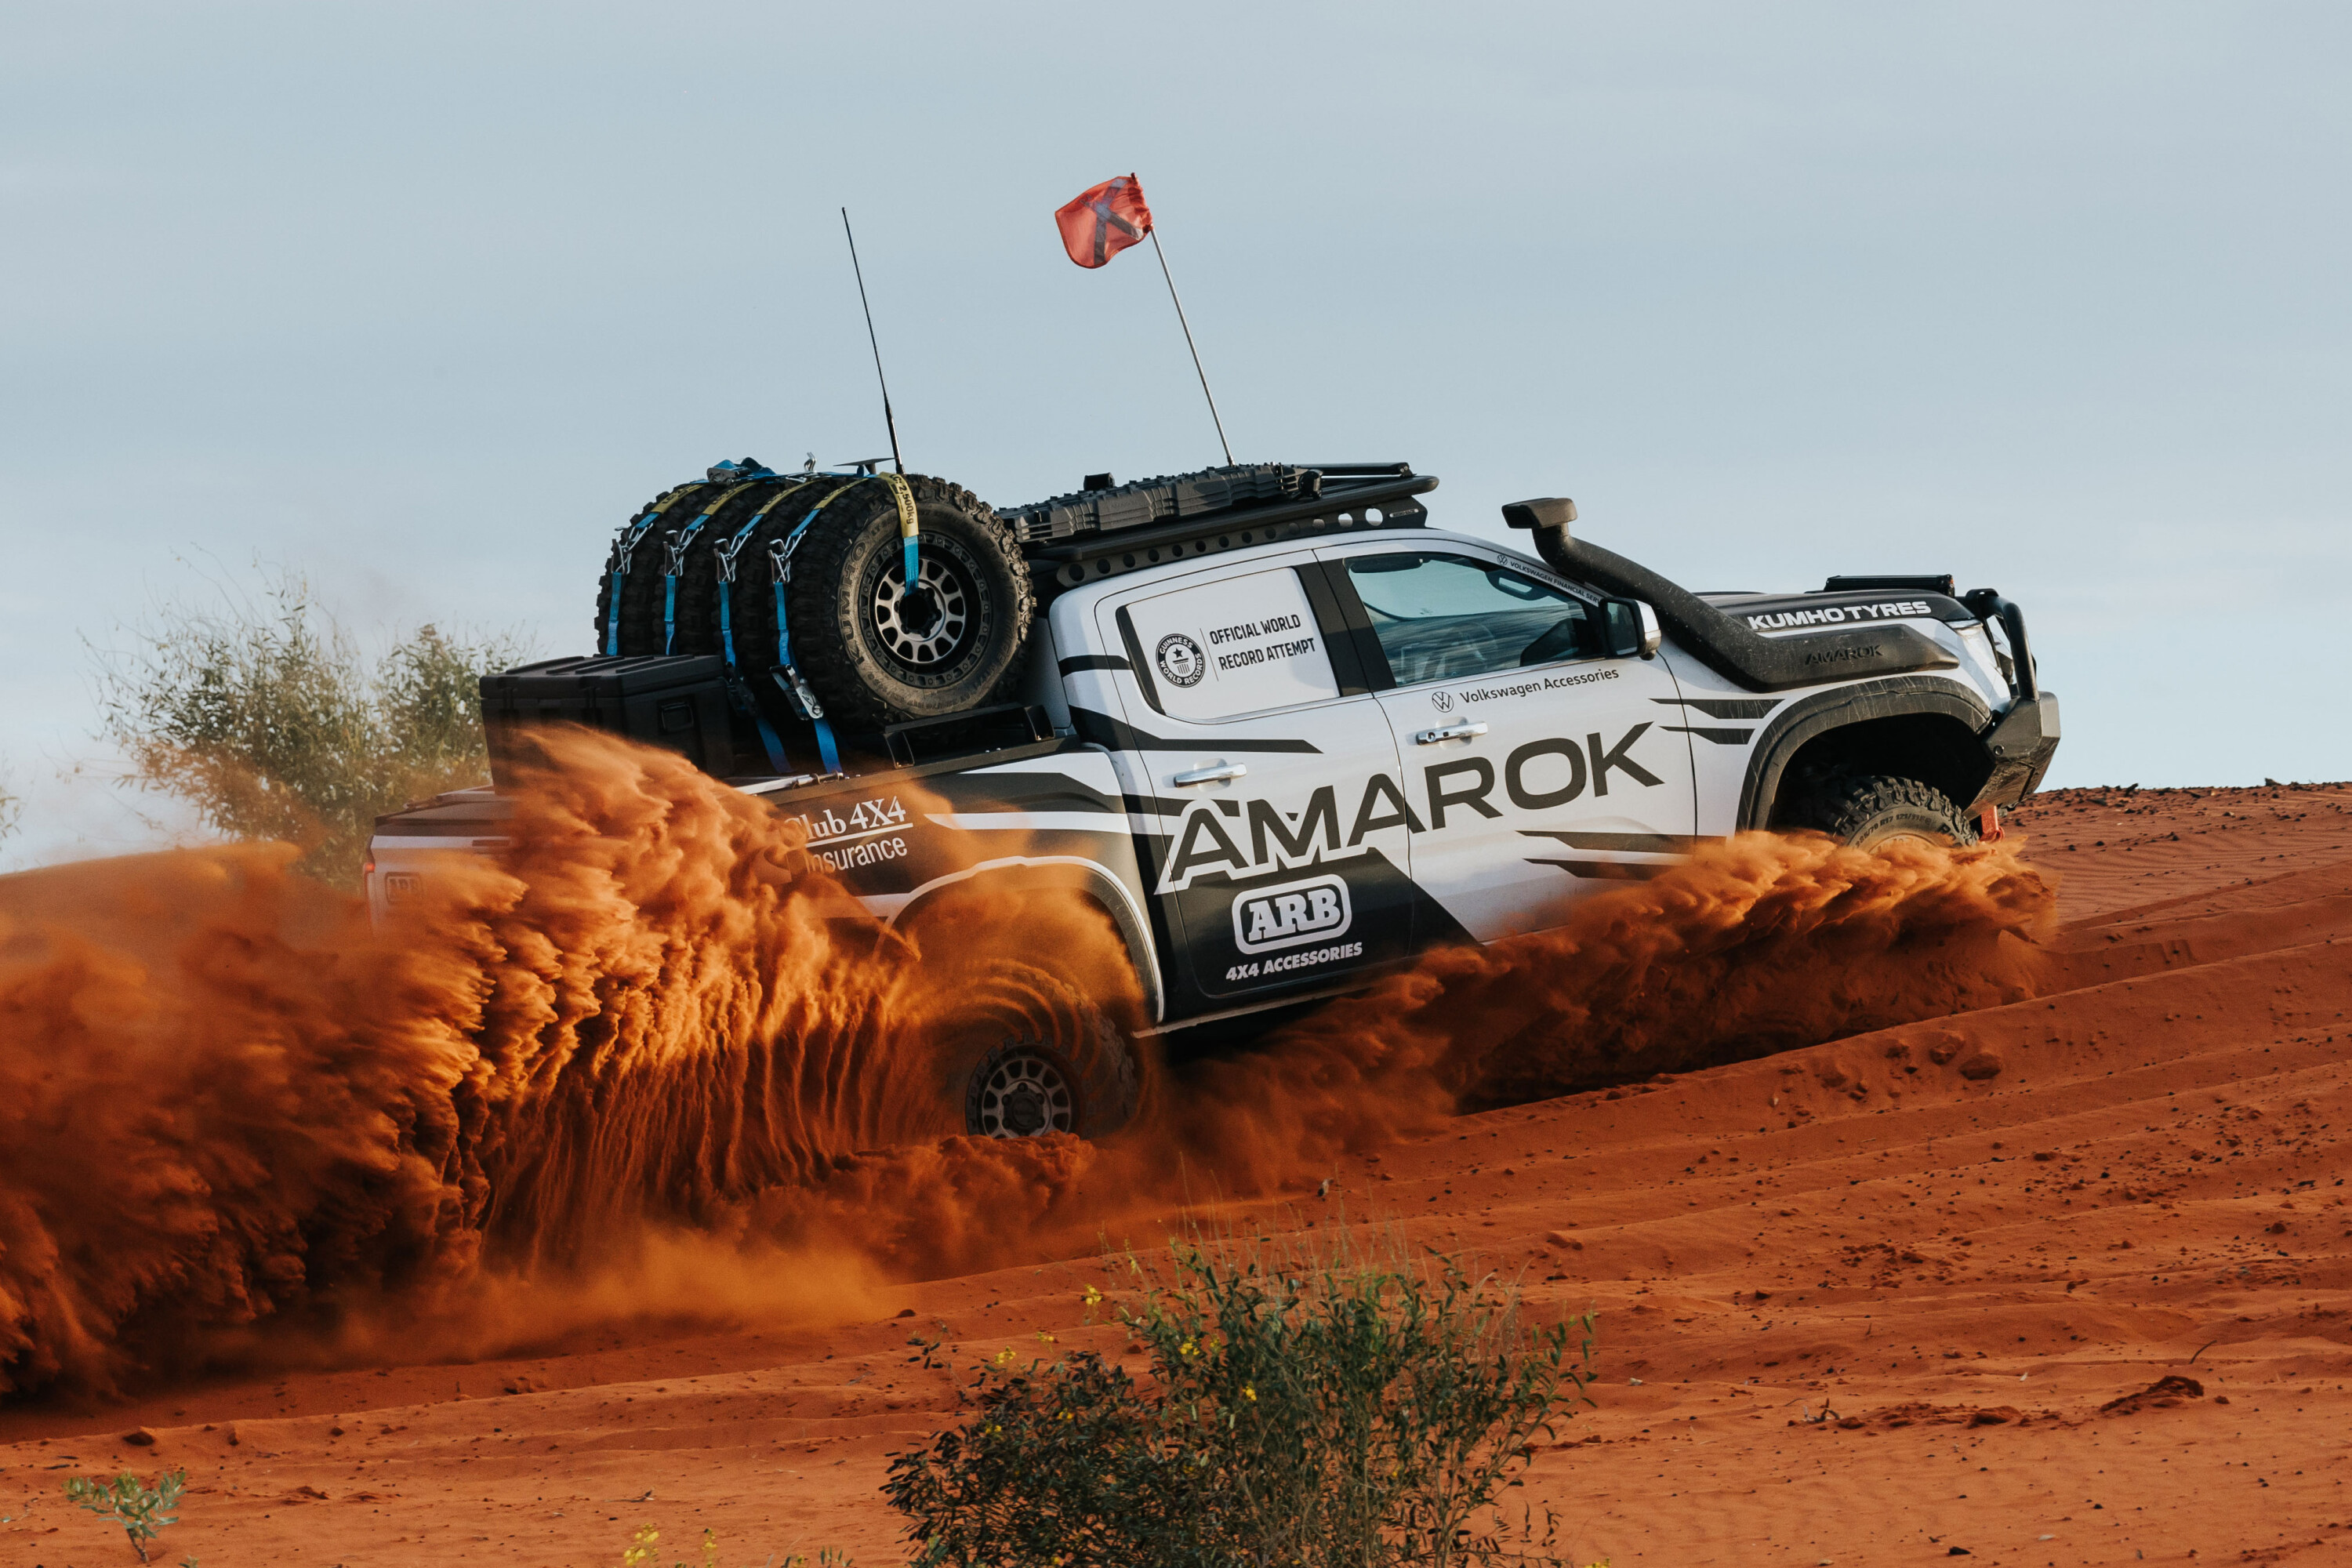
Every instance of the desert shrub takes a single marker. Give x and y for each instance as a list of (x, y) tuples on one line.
[(1333, 1410), (141, 1509), (266, 717)]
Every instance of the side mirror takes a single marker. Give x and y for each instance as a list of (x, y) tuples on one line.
[(1630, 628)]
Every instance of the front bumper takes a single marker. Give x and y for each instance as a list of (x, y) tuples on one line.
[(2019, 745)]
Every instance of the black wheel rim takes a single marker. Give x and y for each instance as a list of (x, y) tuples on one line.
[(1025, 1095), (928, 630)]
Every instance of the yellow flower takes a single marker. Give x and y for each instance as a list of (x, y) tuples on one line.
[(1092, 1296), (1184, 1349), (1249, 1392), (1046, 1339), (1001, 1357)]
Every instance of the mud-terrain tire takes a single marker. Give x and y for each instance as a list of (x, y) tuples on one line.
[(752, 595), (645, 623), (1868, 810), (697, 582), (873, 657), (628, 577), (1022, 1052)]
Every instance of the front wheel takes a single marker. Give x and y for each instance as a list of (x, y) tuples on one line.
[(1871, 810), (1025, 1054)]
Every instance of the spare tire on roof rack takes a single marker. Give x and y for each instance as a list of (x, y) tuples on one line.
[(863, 599), (659, 591), (824, 579), (847, 602)]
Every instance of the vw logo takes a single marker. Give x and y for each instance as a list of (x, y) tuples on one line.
[(1444, 700)]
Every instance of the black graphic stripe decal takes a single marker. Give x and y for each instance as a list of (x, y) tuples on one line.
[(1119, 736), (1616, 843), (1720, 737), (1603, 870), (1094, 661), (982, 790), (1723, 707), (1154, 806)]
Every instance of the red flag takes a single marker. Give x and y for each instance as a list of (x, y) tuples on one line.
[(1104, 220)]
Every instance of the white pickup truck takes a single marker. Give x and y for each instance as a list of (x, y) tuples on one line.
[(1282, 751)]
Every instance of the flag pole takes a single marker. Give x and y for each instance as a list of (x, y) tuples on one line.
[(888, 419), (1190, 345)]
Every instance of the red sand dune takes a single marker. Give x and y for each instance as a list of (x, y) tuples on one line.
[(1864, 1301)]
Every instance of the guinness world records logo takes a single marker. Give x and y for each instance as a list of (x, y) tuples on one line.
[(1180, 659)]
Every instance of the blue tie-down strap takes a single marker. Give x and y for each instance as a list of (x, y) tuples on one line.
[(770, 741), (795, 688), (739, 694), (625, 549), (680, 541), (672, 570), (748, 469), (724, 562), (908, 545), (726, 626)]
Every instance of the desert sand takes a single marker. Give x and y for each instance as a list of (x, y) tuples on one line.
[(1889, 1298)]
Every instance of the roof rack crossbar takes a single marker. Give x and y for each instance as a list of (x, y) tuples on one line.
[(1373, 504)]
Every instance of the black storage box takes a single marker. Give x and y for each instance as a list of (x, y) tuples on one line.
[(680, 702)]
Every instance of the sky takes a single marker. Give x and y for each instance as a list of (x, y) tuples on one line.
[(423, 300)]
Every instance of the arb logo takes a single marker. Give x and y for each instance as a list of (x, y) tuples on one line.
[(1293, 913)]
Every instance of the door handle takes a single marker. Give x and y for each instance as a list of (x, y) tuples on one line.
[(1209, 776), (1460, 730)]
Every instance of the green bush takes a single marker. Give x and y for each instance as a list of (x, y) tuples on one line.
[(140, 1508), (266, 715), (1312, 1411)]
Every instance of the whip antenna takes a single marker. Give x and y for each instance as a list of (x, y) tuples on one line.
[(1214, 418), (888, 419)]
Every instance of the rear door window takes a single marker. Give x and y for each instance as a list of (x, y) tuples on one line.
[(1444, 618), (1230, 645)]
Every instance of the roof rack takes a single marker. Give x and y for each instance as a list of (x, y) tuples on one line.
[(1108, 530)]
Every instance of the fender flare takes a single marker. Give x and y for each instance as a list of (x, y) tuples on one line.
[(1811, 717), (1022, 873)]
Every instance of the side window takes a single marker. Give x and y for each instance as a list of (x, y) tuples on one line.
[(1230, 645), (1439, 617)]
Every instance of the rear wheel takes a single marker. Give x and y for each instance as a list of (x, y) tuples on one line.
[(1870, 810), (1024, 1054), (1021, 1089)]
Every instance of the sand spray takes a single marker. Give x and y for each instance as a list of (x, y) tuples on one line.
[(655, 1063)]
